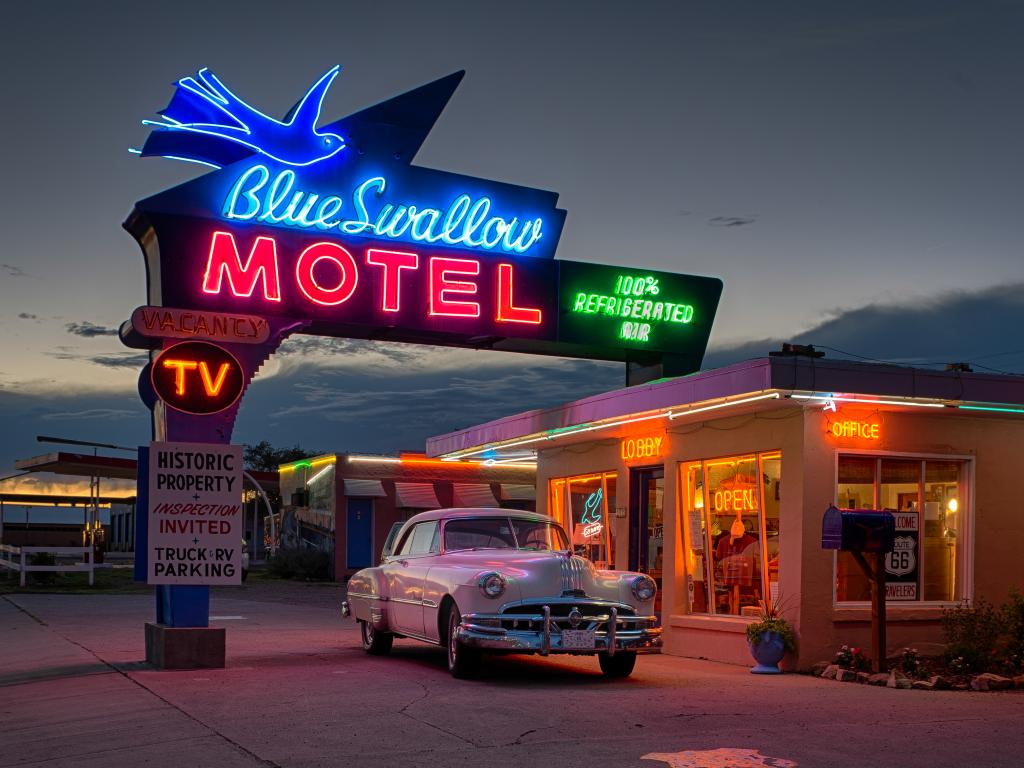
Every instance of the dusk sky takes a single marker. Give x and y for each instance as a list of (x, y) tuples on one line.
[(852, 171)]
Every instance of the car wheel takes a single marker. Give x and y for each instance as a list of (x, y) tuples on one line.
[(619, 665), (463, 662), (375, 642)]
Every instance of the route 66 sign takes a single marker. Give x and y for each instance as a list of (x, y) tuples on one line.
[(903, 558)]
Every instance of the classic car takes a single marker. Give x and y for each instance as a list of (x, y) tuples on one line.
[(478, 581)]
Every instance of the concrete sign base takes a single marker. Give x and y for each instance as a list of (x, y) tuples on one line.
[(185, 647)]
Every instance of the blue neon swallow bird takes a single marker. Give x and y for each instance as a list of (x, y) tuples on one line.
[(207, 123)]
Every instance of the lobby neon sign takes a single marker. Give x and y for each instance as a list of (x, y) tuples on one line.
[(467, 222)]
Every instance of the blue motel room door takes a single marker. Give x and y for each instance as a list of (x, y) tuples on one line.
[(359, 533)]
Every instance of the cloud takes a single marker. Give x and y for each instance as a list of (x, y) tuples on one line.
[(27, 316), (91, 413), (13, 271), (89, 330), (731, 221), (113, 360), (956, 326)]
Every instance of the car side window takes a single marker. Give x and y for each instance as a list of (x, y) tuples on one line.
[(405, 546), (421, 542)]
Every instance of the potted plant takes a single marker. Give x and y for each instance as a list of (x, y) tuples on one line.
[(770, 638)]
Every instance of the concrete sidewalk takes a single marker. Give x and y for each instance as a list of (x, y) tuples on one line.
[(298, 691)]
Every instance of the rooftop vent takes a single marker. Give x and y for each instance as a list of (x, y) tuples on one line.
[(797, 350)]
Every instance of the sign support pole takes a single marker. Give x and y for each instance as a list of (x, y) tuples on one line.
[(876, 576)]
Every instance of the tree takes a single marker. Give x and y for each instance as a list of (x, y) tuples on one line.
[(263, 457)]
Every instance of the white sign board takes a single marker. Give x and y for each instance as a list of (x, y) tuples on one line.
[(195, 513)]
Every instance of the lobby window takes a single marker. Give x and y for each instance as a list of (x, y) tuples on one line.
[(584, 505), (928, 498), (730, 522)]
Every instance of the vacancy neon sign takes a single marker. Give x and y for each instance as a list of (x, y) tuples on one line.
[(329, 274)]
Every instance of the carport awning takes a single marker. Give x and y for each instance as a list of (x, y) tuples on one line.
[(474, 495), (364, 488), (416, 496), (518, 492)]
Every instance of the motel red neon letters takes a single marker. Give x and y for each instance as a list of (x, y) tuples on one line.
[(328, 274), (224, 262), (393, 263)]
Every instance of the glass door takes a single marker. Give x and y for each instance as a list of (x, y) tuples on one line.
[(647, 524)]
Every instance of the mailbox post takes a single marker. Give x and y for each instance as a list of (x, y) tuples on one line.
[(865, 532)]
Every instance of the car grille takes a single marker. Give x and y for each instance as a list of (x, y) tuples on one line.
[(572, 574), (594, 616)]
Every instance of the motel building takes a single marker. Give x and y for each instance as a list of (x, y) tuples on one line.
[(346, 504), (715, 484)]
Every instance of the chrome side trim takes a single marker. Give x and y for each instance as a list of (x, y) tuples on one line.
[(410, 635), (406, 602), (366, 596), (429, 604)]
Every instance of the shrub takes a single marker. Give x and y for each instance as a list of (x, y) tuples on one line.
[(972, 636), (303, 564), (910, 664), (42, 558), (1013, 629), (853, 658)]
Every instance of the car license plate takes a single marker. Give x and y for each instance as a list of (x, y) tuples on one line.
[(578, 639)]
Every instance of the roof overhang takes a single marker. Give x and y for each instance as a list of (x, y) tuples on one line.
[(754, 385), (105, 467)]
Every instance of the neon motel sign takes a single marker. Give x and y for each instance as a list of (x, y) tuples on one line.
[(332, 230)]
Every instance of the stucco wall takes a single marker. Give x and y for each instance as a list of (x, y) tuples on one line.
[(995, 539)]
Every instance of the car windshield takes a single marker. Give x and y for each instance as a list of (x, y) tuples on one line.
[(503, 533)]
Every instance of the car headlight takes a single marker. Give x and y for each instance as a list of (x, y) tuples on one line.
[(643, 588), (491, 584)]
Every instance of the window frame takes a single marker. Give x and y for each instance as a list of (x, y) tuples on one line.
[(965, 553), (565, 495), (682, 494)]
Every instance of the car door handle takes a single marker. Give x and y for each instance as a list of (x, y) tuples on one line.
[(403, 562)]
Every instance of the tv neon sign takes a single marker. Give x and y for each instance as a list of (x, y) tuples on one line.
[(197, 377), (467, 222)]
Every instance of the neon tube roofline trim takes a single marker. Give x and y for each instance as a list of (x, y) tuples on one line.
[(580, 429), (843, 399)]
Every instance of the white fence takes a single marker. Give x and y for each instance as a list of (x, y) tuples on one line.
[(16, 559)]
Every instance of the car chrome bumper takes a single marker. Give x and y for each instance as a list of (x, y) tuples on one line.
[(634, 634), (346, 609)]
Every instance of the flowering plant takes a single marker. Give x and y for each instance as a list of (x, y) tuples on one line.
[(853, 658), (770, 620), (910, 663)]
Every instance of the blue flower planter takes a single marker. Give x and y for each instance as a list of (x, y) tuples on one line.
[(768, 652)]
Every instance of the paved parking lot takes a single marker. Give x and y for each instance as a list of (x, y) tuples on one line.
[(298, 691)]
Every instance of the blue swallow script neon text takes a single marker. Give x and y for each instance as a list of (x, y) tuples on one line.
[(257, 195)]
